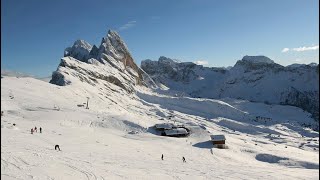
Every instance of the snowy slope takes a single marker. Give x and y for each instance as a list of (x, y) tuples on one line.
[(254, 78), (113, 139)]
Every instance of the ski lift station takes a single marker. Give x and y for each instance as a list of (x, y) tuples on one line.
[(169, 129)]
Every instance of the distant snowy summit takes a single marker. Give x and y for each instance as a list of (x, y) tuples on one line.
[(258, 59), (296, 65), (254, 78), (111, 63)]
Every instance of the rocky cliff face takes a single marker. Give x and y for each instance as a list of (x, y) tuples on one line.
[(255, 78), (110, 63), (80, 50)]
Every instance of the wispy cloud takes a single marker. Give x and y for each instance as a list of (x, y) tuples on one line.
[(128, 25), (201, 62), (301, 49), (285, 50)]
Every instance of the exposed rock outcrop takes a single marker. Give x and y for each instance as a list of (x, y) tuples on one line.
[(111, 62)]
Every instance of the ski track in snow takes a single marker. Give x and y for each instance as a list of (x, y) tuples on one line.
[(97, 143)]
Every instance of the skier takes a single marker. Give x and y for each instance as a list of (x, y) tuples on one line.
[(31, 130), (162, 157), (35, 129), (183, 159), (40, 130), (57, 147)]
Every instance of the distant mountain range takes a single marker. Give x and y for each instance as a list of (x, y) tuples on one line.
[(11, 73), (254, 78), (5, 72)]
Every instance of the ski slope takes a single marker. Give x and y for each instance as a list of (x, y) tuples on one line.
[(113, 139)]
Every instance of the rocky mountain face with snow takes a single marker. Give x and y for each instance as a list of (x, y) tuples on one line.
[(255, 78), (111, 63)]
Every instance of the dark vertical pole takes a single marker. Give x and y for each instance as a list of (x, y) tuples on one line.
[(87, 103)]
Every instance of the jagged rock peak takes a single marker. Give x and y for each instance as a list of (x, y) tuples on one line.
[(80, 50), (113, 45), (166, 59), (258, 59), (110, 63), (163, 58), (113, 34), (113, 49), (94, 52), (82, 43)]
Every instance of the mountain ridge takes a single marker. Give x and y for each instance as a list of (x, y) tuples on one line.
[(110, 63), (255, 78)]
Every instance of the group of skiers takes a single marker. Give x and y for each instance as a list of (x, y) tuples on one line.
[(35, 130), (183, 159), (56, 147)]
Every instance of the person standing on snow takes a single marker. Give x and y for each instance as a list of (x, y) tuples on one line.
[(31, 130), (184, 159), (40, 130), (35, 128), (162, 157)]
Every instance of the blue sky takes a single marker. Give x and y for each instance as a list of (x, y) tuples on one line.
[(34, 33)]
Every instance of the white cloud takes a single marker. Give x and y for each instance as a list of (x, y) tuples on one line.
[(299, 49), (128, 25), (285, 50), (201, 62)]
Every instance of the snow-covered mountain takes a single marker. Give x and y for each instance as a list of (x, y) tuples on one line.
[(295, 65), (254, 78), (113, 137), (111, 63), (258, 59)]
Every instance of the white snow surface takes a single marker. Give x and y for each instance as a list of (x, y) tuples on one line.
[(113, 139)]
